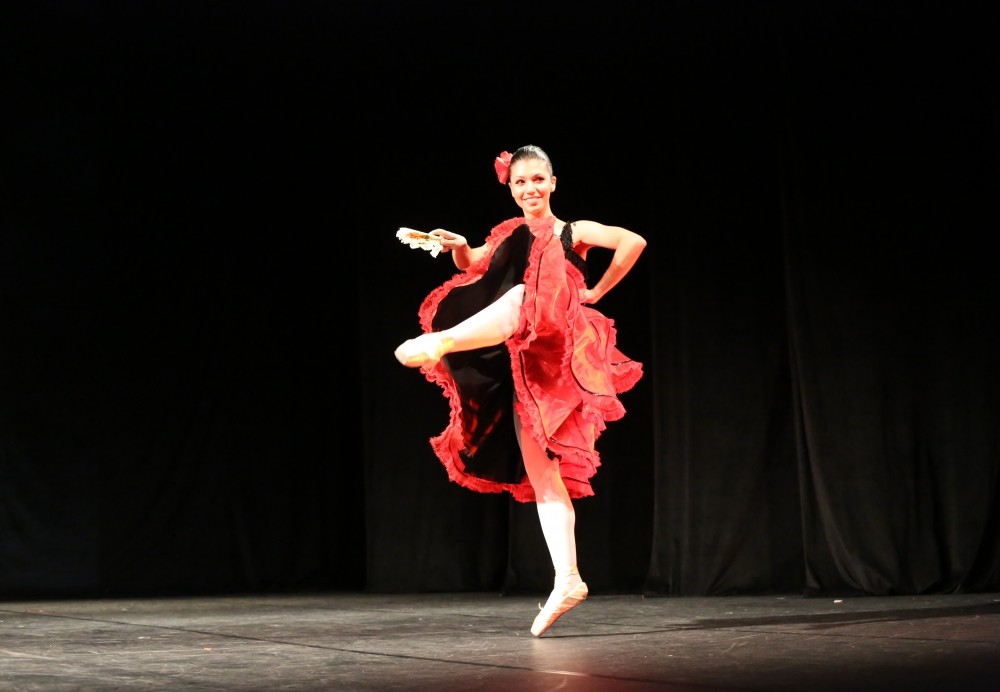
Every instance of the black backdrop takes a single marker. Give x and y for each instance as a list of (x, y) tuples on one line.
[(200, 291)]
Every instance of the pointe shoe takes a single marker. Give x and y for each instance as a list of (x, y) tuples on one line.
[(423, 351), (558, 604)]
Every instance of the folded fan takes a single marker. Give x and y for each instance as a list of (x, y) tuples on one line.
[(419, 239)]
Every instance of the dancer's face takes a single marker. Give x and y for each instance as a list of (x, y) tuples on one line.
[(530, 185)]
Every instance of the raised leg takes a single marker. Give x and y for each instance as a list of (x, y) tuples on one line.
[(492, 325)]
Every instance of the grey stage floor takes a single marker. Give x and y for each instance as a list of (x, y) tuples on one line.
[(481, 642)]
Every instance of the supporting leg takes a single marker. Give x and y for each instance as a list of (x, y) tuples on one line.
[(558, 521)]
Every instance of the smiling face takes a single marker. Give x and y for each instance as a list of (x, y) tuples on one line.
[(531, 184)]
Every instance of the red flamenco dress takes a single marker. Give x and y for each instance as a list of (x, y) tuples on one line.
[(560, 372)]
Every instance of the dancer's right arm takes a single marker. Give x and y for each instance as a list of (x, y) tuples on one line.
[(463, 255)]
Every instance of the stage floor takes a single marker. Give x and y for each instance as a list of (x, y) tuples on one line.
[(480, 641)]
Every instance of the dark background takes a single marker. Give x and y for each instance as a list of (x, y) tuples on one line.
[(201, 289)]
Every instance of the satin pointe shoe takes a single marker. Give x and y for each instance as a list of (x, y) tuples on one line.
[(558, 604), (423, 351)]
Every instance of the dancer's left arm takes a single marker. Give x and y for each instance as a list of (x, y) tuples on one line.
[(627, 246)]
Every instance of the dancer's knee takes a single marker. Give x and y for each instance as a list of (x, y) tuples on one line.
[(546, 481), (511, 317)]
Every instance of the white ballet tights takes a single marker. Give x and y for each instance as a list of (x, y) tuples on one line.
[(555, 509), (492, 325)]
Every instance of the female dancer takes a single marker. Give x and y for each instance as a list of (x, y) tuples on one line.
[(524, 360)]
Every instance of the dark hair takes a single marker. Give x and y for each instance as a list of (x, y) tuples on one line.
[(530, 152)]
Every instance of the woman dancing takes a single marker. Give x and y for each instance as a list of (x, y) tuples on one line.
[(531, 371)]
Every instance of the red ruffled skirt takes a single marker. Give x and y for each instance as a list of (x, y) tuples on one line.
[(560, 373)]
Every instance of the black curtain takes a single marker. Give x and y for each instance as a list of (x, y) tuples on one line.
[(201, 289)]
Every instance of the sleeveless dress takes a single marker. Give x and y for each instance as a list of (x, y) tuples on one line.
[(560, 372)]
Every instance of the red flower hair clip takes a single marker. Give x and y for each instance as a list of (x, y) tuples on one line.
[(502, 166)]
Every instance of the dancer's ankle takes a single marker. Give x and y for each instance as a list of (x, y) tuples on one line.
[(567, 577)]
